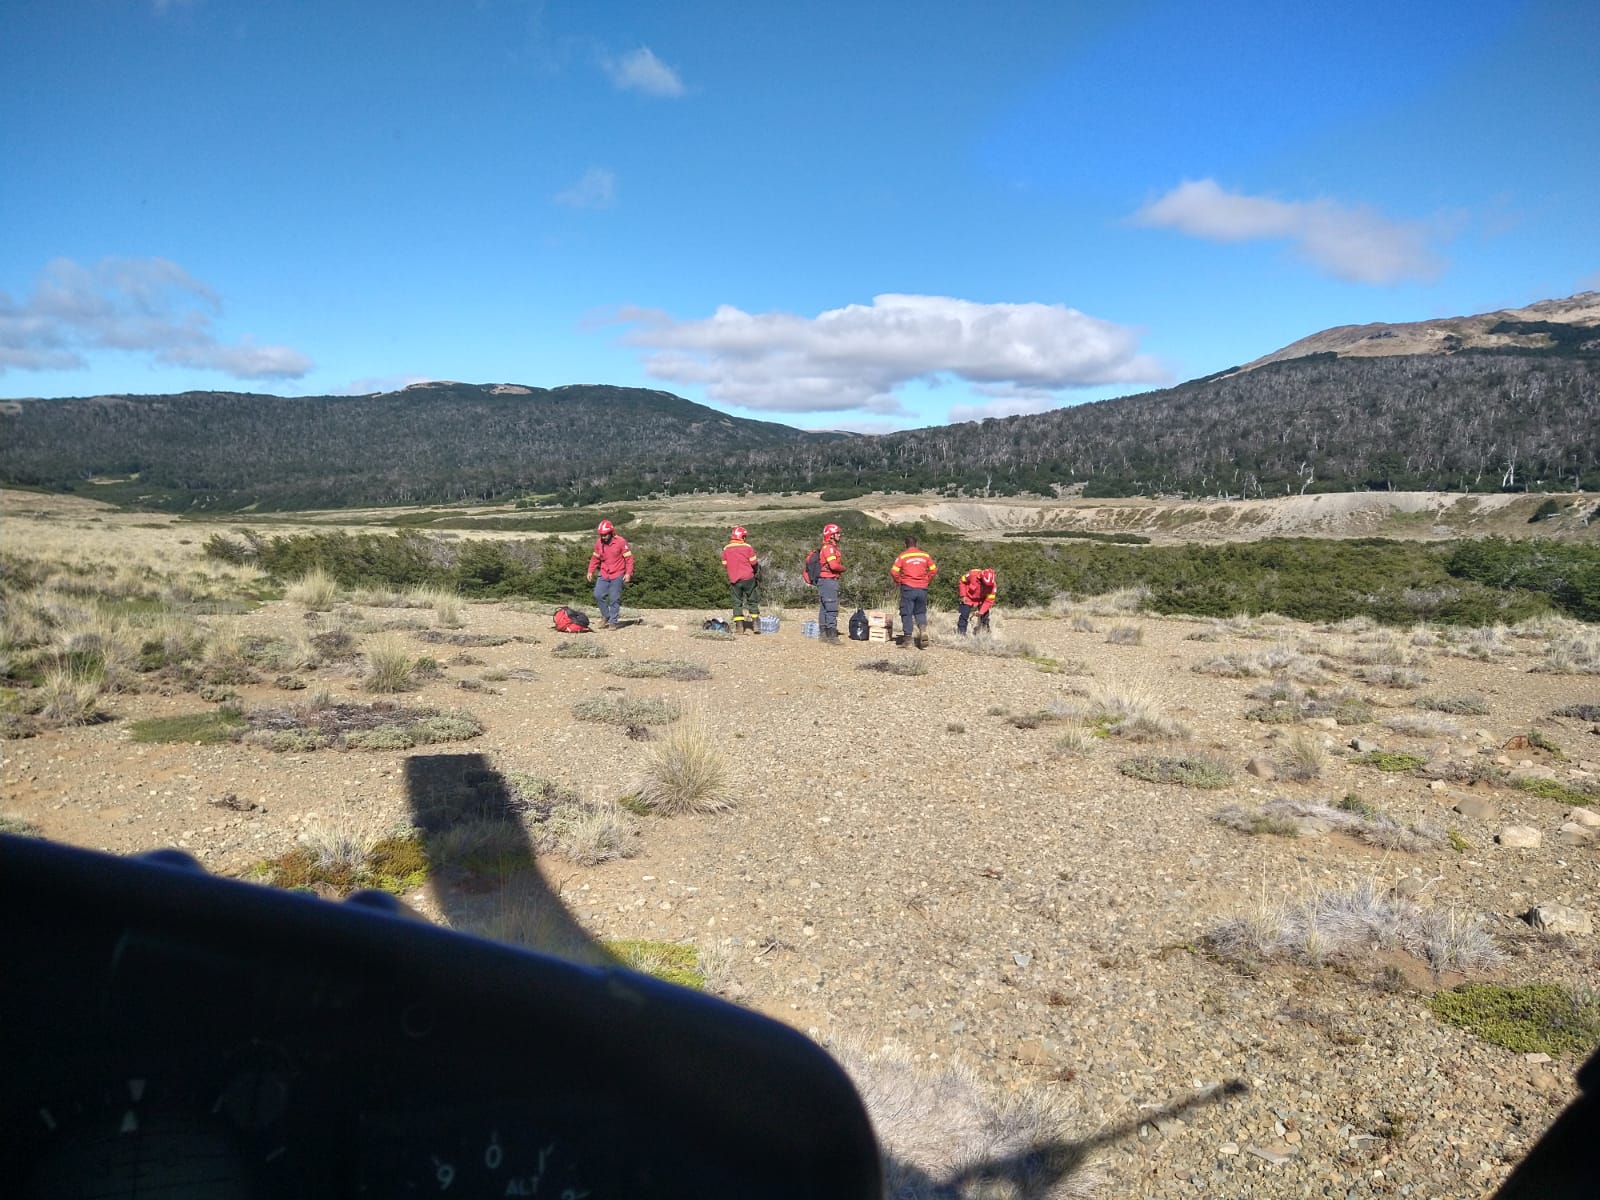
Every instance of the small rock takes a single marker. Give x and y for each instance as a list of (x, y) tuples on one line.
[(1276, 1157), (1519, 837), (1585, 816), (1558, 918), (1536, 1058), (1228, 1149), (1574, 834), (1021, 957), (1318, 723), (1543, 1081), (1036, 1052), (1476, 807), (1409, 886), (1364, 745), (1261, 768)]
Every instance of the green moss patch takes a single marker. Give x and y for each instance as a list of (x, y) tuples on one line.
[(1578, 794), (672, 962), (1391, 760), (201, 729), (1542, 1018)]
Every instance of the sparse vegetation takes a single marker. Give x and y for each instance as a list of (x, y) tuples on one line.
[(390, 664), (383, 725), (895, 666), (203, 729), (671, 962), (626, 710), (1299, 818), (1465, 705), (315, 591), (652, 668), (1194, 770), (1391, 760), (579, 646), (1532, 1018), (1333, 924), (1579, 794)]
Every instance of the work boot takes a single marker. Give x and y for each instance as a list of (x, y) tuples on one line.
[(922, 637), (753, 625)]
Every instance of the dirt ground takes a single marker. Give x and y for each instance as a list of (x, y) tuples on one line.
[(908, 861)]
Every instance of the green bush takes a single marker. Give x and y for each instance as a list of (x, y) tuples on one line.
[(1535, 1018)]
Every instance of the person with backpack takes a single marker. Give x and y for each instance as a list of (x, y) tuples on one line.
[(614, 562), (739, 560), (824, 567), (976, 592), (914, 570)]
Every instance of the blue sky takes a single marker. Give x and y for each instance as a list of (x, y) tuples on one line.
[(835, 215)]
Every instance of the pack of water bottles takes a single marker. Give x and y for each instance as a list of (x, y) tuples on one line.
[(809, 629), (769, 624)]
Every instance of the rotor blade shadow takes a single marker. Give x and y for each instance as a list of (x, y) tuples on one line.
[(483, 868)]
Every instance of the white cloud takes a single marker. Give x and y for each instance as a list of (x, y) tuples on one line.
[(597, 189), (641, 71), (855, 357), (141, 305), (1357, 244)]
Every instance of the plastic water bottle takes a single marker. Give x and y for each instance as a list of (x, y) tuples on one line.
[(808, 629), (769, 624)]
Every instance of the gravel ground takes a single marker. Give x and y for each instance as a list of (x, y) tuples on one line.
[(905, 865)]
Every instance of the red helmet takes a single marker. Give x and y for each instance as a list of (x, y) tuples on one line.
[(987, 576), (740, 533), (830, 531), (605, 527)]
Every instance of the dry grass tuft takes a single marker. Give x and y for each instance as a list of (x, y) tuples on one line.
[(652, 668), (943, 1135), (390, 664), (626, 710), (316, 591), (1299, 818), (1344, 924), (686, 773)]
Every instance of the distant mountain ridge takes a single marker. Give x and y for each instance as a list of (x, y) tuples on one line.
[(1505, 400), (1541, 326)]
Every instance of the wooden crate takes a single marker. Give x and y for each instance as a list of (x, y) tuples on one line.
[(880, 627)]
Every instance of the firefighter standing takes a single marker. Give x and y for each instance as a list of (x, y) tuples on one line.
[(914, 570), (739, 560), (830, 568), (976, 590), (614, 562)]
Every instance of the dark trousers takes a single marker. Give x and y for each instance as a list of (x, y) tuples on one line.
[(964, 611), (913, 607)]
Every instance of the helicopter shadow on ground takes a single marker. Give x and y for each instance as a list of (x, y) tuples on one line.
[(487, 881)]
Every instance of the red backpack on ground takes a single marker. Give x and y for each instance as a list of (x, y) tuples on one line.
[(571, 620)]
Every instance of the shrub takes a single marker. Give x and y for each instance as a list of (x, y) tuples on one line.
[(1304, 757), (1534, 1018), (1391, 677), (1187, 771), (1390, 760), (1125, 635), (1580, 794), (626, 710), (1298, 818), (1412, 726), (580, 647), (1583, 712), (895, 666), (68, 696), (1464, 705), (686, 773), (651, 668), (1340, 924)]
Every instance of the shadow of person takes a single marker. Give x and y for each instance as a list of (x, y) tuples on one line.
[(487, 881), (482, 866)]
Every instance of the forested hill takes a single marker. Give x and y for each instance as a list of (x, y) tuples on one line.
[(430, 443), (1478, 420)]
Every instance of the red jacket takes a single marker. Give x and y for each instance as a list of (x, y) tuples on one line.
[(832, 561), (975, 592), (740, 560), (914, 568), (612, 558)]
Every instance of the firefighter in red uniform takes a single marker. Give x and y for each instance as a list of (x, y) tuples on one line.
[(830, 570), (914, 570), (739, 560), (614, 562), (976, 591)]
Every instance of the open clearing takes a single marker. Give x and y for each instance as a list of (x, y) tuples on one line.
[(959, 861)]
